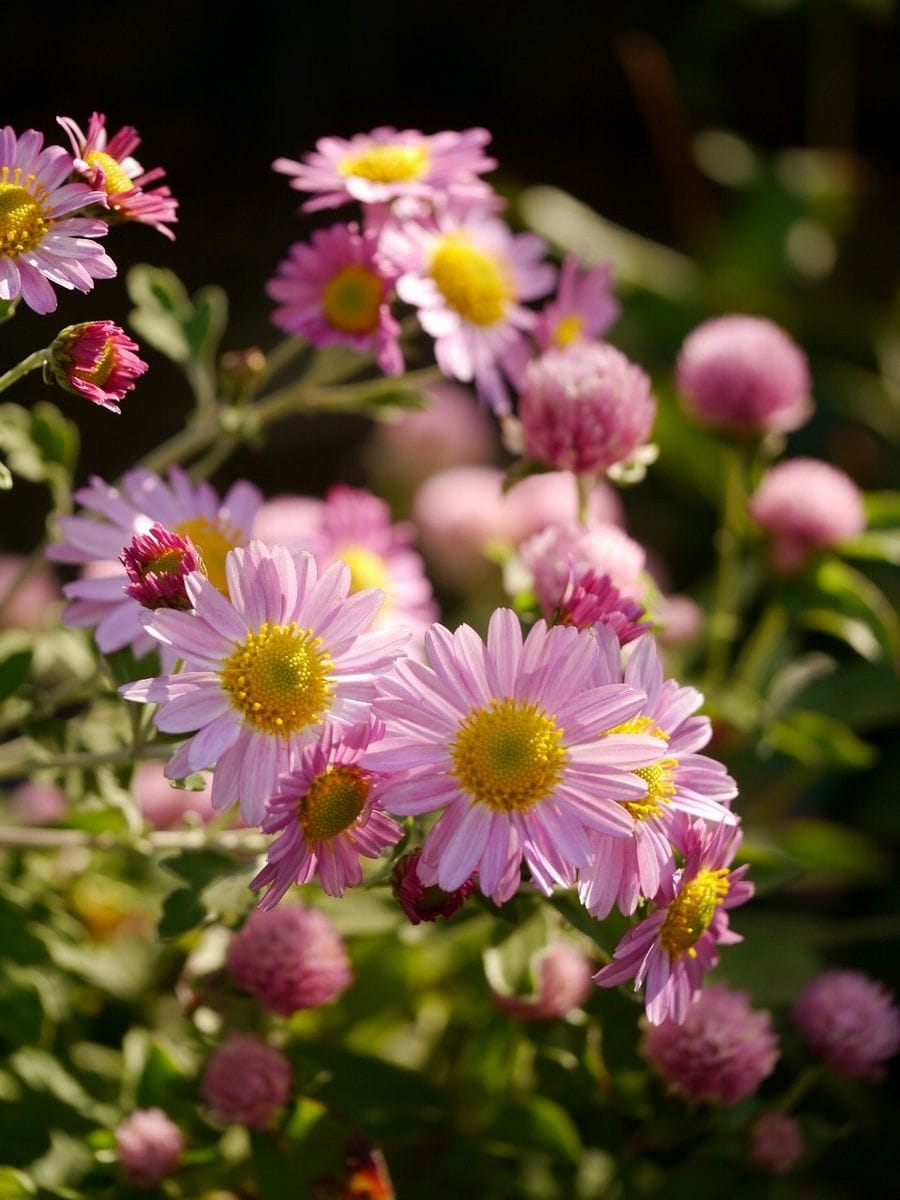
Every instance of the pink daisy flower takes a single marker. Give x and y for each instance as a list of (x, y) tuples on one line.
[(337, 289), (387, 164), (623, 870), (328, 814), (107, 164), (193, 510), (583, 307), (264, 669), (669, 952), (98, 361), (506, 737), (468, 276), (40, 241)]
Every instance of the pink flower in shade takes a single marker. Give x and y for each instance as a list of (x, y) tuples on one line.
[(163, 806), (668, 952), (585, 408), (37, 803), (806, 505), (149, 1146), (623, 870), (563, 982), (850, 1021), (264, 669), (721, 1052), (551, 498), (107, 163), (506, 738), (468, 275), (561, 553), (97, 361), (193, 510), (327, 812), (289, 959), (30, 596), (744, 375), (336, 289), (245, 1082), (582, 308), (776, 1143), (421, 902), (41, 242), (157, 563), (388, 164), (289, 520), (593, 600)]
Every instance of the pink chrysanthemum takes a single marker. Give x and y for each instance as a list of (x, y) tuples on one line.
[(421, 902), (562, 977), (745, 375), (245, 1082), (668, 952), (776, 1142), (157, 563), (582, 308), (337, 289), (97, 361), (850, 1021), (264, 669), (806, 505), (506, 737), (468, 276), (289, 959), (107, 164), (561, 553), (40, 241), (149, 1146), (721, 1052), (585, 408), (328, 813), (591, 599), (192, 510), (623, 870), (387, 164)]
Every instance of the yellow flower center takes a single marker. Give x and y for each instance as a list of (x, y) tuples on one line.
[(333, 802), (471, 282), (568, 330), (367, 569), (103, 368), (169, 560), (352, 298), (24, 217), (691, 912), (659, 776), (508, 756), (116, 180), (279, 679), (213, 540), (387, 164)]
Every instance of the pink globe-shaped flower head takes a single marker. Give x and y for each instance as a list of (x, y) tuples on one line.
[(149, 1146), (850, 1021), (744, 375), (776, 1142), (806, 505), (722, 1051), (245, 1082), (289, 958), (585, 407)]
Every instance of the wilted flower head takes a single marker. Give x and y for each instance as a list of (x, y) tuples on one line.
[(721, 1052), (851, 1021), (776, 1142), (806, 505), (157, 563), (582, 308), (585, 408), (245, 1081), (425, 902), (562, 977), (289, 958), (745, 375), (149, 1146), (97, 361)]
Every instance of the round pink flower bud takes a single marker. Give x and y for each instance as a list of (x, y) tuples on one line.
[(37, 803), (744, 375), (806, 505), (776, 1143), (157, 563), (563, 982), (149, 1146), (289, 958), (162, 805), (850, 1021), (585, 407), (245, 1082), (96, 360), (722, 1052)]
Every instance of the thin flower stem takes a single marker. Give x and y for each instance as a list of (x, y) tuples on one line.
[(799, 1088), (31, 363), (759, 653), (240, 841), (584, 485), (724, 620), (13, 769)]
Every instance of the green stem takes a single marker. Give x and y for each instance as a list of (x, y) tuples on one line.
[(759, 653), (31, 363), (799, 1088), (723, 622), (242, 841), (126, 754), (584, 485)]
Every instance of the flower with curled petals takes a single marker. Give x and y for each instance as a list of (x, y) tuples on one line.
[(264, 669), (97, 361)]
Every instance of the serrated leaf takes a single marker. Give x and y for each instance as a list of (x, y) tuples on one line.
[(13, 672), (818, 740)]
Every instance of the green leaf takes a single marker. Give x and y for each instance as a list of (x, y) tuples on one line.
[(13, 673), (21, 1011), (205, 325), (882, 509), (185, 329), (14, 1185), (203, 866), (523, 468), (818, 740), (836, 851), (182, 911), (54, 434), (7, 309), (216, 883), (882, 545), (538, 1123)]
